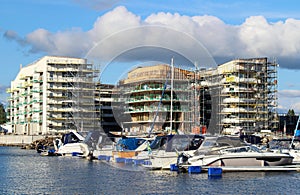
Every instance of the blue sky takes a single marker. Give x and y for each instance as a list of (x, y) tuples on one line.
[(229, 29)]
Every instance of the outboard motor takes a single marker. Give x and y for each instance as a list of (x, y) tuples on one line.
[(182, 159)]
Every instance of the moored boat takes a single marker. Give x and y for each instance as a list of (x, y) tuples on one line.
[(217, 153), (71, 144), (167, 154)]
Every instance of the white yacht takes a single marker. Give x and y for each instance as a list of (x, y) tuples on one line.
[(103, 144), (171, 146), (71, 145), (226, 151)]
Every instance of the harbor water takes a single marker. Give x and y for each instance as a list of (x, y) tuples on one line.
[(26, 172)]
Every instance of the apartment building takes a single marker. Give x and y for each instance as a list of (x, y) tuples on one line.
[(53, 95), (240, 95), (104, 99), (58, 94), (156, 101)]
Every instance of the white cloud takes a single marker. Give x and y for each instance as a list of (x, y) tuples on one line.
[(69, 43), (271, 39), (97, 4), (112, 22), (289, 99), (122, 35), (289, 93), (296, 107), (255, 37)]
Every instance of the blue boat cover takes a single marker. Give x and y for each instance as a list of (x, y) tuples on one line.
[(129, 143)]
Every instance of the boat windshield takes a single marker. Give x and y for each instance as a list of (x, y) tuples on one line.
[(277, 144), (96, 139), (219, 144), (249, 148), (184, 143), (158, 142)]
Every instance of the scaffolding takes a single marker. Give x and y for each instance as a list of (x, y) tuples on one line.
[(71, 97), (273, 119), (104, 107), (242, 96), (143, 92)]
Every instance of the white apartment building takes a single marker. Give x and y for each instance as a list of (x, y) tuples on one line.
[(53, 95), (243, 96)]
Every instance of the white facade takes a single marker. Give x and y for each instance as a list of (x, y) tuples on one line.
[(43, 95), (245, 95)]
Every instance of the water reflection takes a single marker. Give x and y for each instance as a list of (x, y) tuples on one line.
[(25, 172)]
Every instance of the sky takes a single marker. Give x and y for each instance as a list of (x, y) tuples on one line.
[(117, 35)]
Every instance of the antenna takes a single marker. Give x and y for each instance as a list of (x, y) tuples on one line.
[(171, 106)]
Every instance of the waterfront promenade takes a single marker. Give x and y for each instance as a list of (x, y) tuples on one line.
[(18, 140)]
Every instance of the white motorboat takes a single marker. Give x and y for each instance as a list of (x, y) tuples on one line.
[(286, 145), (71, 145), (169, 149), (152, 148), (217, 153), (103, 144)]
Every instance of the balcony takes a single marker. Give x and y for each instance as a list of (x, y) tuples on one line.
[(238, 110), (37, 80), (9, 90)]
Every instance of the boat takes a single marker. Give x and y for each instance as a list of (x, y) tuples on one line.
[(229, 152), (46, 150), (294, 148), (129, 147), (285, 145), (100, 143), (170, 147), (103, 144), (47, 146), (49, 152), (153, 147), (71, 144)]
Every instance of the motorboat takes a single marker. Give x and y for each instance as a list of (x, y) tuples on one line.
[(170, 147), (285, 145), (100, 143), (157, 144), (129, 147), (222, 151), (71, 144)]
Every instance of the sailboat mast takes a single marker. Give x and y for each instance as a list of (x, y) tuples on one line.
[(171, 106), (295, 132)]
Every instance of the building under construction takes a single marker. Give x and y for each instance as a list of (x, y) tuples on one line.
[(59, 94), (53, 95), (104, 99), (156, 99), (239, 96)]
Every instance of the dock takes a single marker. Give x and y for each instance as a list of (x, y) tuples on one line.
[(253, 168), (261, 169)]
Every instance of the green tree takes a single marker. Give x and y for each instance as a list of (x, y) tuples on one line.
[(291, 112), (2, 114)]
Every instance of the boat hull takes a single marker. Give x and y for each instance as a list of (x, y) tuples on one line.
[(258, 159), (125, 154), (71, 148), (163, 161)]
